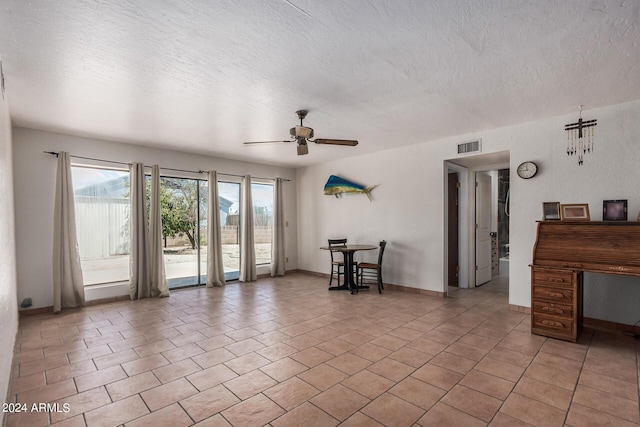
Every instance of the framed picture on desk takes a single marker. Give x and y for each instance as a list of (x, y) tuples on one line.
[(614, 210), (550, 211), (575, 212)]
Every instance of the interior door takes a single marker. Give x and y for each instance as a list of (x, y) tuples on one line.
[(452, 245), (483, 228)]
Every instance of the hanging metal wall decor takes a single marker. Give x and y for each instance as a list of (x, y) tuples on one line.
[(580, 136)]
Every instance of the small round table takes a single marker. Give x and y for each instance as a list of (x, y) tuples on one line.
[(348, 251)]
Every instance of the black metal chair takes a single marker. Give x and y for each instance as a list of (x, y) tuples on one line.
[(337, 265), (372, 272)]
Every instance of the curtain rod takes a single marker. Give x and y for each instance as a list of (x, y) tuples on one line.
[(53, 153)]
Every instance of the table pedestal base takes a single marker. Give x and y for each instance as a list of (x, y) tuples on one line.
[(348, 276)]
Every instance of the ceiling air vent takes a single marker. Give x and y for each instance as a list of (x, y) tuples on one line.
[(470, 147)]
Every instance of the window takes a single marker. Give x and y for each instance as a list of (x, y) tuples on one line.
[(102, 223)]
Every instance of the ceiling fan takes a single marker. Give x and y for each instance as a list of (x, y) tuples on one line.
[(303, 135)]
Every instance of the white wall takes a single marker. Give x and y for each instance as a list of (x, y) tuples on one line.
[(34, 177), (408, 206), (8, 300)]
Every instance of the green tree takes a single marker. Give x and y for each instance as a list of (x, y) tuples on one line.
[(179, 208)]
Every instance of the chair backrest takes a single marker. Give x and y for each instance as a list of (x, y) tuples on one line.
[(383, 244), (336, 242)]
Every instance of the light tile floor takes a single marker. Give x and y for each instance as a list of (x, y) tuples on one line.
[(286, 351)]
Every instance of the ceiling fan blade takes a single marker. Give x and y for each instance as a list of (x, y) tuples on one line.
[(265, 142), (349, 142)]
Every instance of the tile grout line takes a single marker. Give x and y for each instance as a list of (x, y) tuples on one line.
[(575, 388), (521, 375)]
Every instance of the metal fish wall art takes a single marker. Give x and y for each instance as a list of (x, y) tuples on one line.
[(337, 186)]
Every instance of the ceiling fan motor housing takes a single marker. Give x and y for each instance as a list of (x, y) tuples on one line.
[(301, 132)]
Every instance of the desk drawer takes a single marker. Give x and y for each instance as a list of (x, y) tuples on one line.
[(552, 308), (545, 293), (559, 325), (552, 277)]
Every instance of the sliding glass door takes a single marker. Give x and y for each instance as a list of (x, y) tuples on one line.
[(262, 195), (185, 214), (180, 204), (102, 215), (230, 227)]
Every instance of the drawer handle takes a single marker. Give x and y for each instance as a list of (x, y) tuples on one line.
[(555, 279), (552, 310), (552, 323), (553, 294)]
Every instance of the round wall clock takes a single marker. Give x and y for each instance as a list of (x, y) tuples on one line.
[(527, 170)]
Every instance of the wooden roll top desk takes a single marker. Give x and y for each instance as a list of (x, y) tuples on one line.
[(562, 252)]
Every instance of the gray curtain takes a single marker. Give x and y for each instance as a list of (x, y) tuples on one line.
[(277, 247), (215, 268), (68, 286), (247, 243), (157, 275), (139, 285)]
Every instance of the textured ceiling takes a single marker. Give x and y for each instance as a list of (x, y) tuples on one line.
[(204, 76)]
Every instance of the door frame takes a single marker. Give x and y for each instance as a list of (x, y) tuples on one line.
[(463, 225)]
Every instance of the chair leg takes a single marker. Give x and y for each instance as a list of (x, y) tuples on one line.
[(331, 276), (380, 286)]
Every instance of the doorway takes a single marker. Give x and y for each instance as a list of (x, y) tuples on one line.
[(483, 228), (493, 251), (492, 230), (500, 276)]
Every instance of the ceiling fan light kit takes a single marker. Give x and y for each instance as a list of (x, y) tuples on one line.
[(303, 148), (303, 135)]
